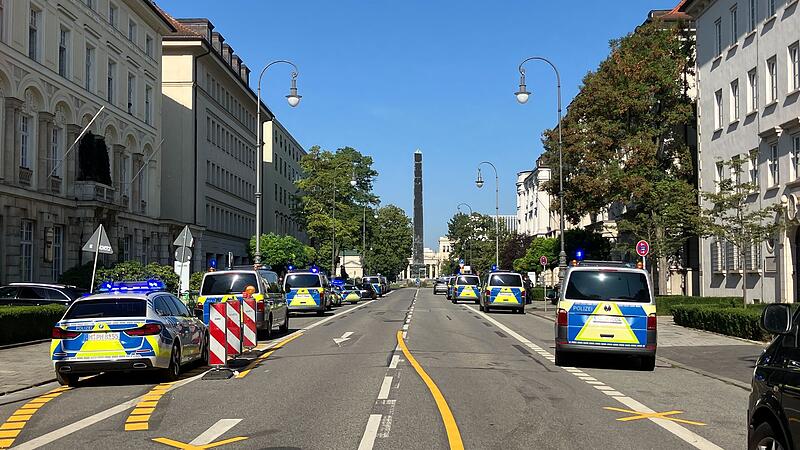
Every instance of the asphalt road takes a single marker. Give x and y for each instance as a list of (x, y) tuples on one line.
[(343, 382)]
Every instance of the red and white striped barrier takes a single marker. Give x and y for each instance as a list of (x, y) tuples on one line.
[(234, 327), (250, 337), (217, 348)]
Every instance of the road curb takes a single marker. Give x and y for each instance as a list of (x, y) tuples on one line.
[(23, 344), (37, 384), (726, 380)]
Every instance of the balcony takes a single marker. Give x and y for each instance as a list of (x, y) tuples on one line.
[(142, 207), (55, 185), (25, 176), (93, 191)]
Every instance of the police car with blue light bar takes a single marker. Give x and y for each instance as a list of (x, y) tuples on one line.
[(127, 326)]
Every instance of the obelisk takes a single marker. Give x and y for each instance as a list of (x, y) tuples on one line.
[(418, 251)]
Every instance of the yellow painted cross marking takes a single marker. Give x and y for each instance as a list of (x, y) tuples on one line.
[(139, 418), (266, 355), (637, 415), (13, 426), (184, 446)]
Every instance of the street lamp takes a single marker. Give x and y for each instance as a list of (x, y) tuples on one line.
[(522, 96), (479, 183), (293, 99), (469, 242)]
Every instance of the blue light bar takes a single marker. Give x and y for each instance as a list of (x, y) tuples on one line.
[(132, 286), (315, 269)]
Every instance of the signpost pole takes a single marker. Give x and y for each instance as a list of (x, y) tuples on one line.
[(544, 289), (96, 254), (187, 263)]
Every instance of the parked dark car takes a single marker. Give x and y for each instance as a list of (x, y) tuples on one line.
[(367, 287), (773, 413), (34, 294)]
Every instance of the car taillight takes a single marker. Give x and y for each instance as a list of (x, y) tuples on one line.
[(562, 317), (260, 306), (60, 333), (652, 322), (145, 330)]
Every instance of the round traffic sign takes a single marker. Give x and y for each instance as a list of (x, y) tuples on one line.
[(543, 260), (642, 248), (183, 254)]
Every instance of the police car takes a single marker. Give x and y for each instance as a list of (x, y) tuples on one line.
[(308, 290), (350, 293), (377, 285), (466, 287), (128, 326), (503, 290), (607, 307)]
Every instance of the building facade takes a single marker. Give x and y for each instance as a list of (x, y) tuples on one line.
[(282, 155), (60, 64), (534, 216), (748, 91)]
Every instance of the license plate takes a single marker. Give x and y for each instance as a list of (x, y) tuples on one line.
[(103, 337), (607, 319)]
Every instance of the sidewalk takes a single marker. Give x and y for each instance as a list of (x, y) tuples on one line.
[(727, 358), (24, 367)]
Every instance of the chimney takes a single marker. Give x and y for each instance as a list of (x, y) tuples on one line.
[(216, 41), (227, 52)]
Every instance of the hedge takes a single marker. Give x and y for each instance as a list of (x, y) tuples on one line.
[(666, 304), (732, 321), (28, 323)]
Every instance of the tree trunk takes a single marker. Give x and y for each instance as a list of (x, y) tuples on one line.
[(663, 267), (744, 276)]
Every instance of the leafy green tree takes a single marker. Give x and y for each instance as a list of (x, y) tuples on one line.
[(730, 215), (473, 238), (540, 246), (279, 251), (391, 239), (136, 271), (512, 247), (79, 276), (625, 139), (327, 175), (195, 281)]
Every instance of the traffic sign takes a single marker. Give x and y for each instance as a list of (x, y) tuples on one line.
[(543, 260), (185, 238), (642, 248), (99, 242), (183, 254)]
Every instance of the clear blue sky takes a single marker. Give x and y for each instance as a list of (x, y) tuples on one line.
[(389, 77)]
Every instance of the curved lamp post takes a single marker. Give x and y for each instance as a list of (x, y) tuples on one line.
[(479, 182), (293, 99), (522, 96), (469, 243)]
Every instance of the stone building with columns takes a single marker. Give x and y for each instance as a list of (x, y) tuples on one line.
[(60, 63)]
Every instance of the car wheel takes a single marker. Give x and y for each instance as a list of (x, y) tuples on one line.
[(480, 306), (204, 351), (321, 312), (764, 437), (647, 363), (486, 309), (454, 301), (477, 302), (172, 372), (285, 327), (65, 379), (562, 359), (268, 331)]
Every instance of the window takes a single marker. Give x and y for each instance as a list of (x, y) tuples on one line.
[(772, 80), (718, 112), (131, 94), (735, 100), (794, 67), (734, 24), (752, 91), (720, 174), (770, 8), (754, 168), (63, 52), (148, 45), (2, 20), (111, 84), (132, 31), (126, 247), (148, 105), (718, 37), (33, 35), (796, 155), (26, 250), (24, 140), (772, 164), (89, 68), (113, 15), (58, 251), (55, 151), (753, 14)]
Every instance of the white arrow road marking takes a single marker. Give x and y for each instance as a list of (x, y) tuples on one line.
[(345, 337), (218, 429)]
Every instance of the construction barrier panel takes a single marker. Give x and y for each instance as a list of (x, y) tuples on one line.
[(234, 327), (217, 339), (250, 334)]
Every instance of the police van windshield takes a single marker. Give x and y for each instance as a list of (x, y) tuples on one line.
[(468, 280), (606, 285), (372, 280), (107, 308), (304, 280), (505, 279), (227, 283)]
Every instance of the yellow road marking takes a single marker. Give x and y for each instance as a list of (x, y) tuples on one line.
[(142, 426), (266, 355), (637, 415), (184, 446), (139, 418), (450, 426), (13, 426)]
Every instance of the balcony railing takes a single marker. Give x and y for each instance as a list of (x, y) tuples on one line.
[(93, 191), (55, 185), (25, 176), (143, 207)]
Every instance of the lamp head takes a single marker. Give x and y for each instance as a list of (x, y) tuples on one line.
[(293, 98), (479, 181), (522, 94)]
